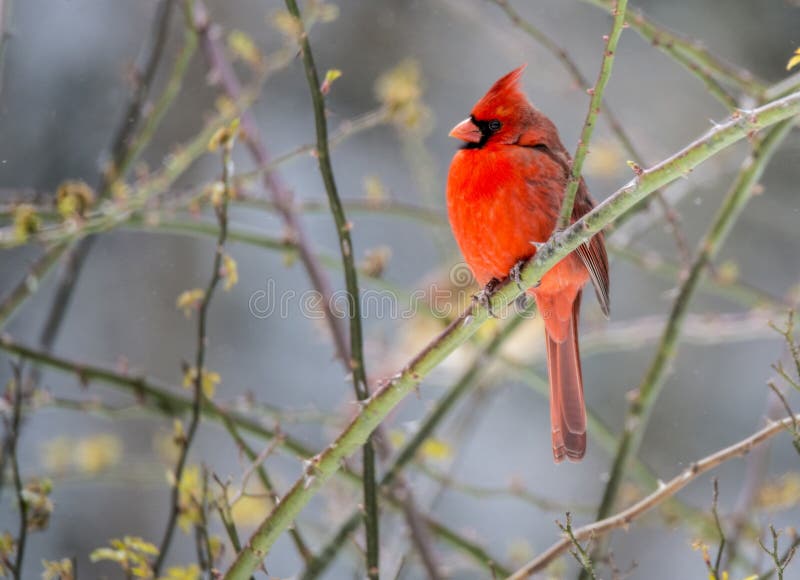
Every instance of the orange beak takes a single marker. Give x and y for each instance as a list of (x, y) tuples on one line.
[(467, 131)]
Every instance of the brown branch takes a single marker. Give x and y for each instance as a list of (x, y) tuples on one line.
[(667, 490), (11, 447), (202, 341)]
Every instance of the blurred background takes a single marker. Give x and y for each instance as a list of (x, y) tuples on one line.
[(65, 86)]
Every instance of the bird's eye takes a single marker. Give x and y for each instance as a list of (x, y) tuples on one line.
[(494, 125)]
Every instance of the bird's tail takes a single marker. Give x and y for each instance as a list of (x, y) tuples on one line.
[(567, 408)]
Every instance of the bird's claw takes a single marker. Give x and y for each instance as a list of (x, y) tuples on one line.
[(516, 274), (484, 297)]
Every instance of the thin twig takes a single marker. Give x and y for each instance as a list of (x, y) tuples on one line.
[(574, 181), (579, 552), (151, 57), (202, 340), (787, 333), (696, 58), (281, 197), (204, 538), (756, 470), (15, 391), (665, 491), (781, 562), (720, 531), (226, 514), (343, 227), (794, 428)]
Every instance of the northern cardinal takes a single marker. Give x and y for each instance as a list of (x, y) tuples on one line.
[(504, 194)]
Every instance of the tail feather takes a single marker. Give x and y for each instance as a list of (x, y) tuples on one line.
[(567, 408)]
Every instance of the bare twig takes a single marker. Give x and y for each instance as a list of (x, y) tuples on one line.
[(151, 57), (591, 117), (756, 469), (794, 429), (780, 561), (15, 391), (281, 197), (665, 491), (718, 524), (202, 340), (787, 332), (223, 505)]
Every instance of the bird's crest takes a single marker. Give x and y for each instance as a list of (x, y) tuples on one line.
[(502, 98)]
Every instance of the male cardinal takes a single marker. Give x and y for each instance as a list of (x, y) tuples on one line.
[(504, 195)]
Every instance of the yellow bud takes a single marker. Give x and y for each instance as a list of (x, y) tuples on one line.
[(244, 48), (189, 300), (794, 61), (26, 222)]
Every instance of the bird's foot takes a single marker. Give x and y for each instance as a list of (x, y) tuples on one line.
[(516, 274), (484, 297)]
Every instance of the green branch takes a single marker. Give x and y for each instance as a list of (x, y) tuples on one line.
[(160, 108), (323, 466), (692, 55), (343, 227), (614, 123), (653, 382), (161, 398), (591, 116), (443, 405), (30, 282), (112, 214)]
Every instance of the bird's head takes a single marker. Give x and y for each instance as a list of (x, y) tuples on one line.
[(504, 116)]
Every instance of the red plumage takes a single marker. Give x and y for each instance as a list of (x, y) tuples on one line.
[(504, 192)]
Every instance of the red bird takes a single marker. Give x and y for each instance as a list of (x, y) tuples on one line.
[(504, 195)]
